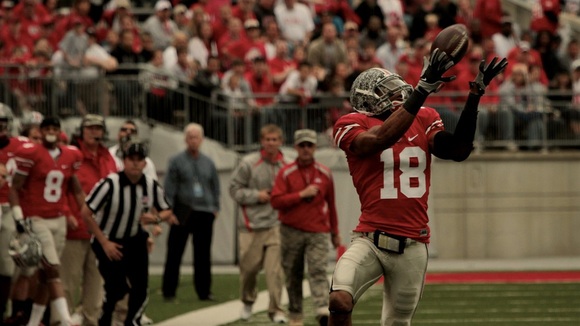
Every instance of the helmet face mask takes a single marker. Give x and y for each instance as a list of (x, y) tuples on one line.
[(377, 90)]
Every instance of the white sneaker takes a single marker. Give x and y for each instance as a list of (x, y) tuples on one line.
[(145, 320), (76, 319), (246, 311), (280, 318)]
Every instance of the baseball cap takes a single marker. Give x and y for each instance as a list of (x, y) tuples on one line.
[(304, 135), (251, 23), (162, 5), (50, 122), (93, 120), (136, 148)]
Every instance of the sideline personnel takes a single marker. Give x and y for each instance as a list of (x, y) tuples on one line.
[(122, 202)]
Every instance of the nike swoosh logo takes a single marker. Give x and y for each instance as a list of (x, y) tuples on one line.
[(411, 138)]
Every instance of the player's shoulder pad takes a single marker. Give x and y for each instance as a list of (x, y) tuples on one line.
[(26, 150), (22, 139)]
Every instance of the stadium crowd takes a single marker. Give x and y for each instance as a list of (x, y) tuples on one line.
[(259, 53)]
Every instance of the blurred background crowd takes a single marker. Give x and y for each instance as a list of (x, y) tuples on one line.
[(232, 65)]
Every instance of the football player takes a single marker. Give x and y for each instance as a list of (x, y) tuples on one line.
[(44, 175), (388, 143), (8, 146)]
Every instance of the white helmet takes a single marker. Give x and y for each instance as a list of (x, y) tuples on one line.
[(31, 118), (377, 90), (25, 249)]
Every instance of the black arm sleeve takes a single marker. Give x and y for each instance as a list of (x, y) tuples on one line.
[(458, 146), (415, 101)]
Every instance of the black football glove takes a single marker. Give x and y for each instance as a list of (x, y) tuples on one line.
[(486, 74), (433, 69), (23, 226)]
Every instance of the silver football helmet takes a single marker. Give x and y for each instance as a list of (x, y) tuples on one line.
[(377, 90), (25, 249)]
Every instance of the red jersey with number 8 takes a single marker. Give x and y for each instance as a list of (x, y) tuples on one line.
[(44, 191), (393, 185)]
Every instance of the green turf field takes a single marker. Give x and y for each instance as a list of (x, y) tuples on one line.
[(442, 304)]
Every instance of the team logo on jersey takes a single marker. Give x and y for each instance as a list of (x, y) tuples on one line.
[(317, 180)]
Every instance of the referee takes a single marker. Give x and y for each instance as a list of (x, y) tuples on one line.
[(121, 203)]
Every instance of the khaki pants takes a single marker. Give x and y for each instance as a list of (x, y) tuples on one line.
[(261, 249), (81, 272)]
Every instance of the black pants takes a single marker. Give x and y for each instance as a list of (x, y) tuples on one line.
[(200, 225), (128, 275)]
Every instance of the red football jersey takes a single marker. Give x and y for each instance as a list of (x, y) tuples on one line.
[(393, 186), (7, 158), (47, 181)]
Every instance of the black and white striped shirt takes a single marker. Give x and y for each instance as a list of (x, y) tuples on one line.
[(118, 204)]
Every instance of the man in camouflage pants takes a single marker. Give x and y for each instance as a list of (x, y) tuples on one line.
[(304, 195)]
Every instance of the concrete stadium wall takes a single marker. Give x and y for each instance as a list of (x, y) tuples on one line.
[(505, 205)]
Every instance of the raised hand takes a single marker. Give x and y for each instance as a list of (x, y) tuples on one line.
[(486, 74), (433, 69)]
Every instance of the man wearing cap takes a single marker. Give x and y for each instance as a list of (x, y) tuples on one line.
[(97, 163), (120, 243), (45, 173), (193, 189), (303, 194), (249, 47), (127, 132), (160, 25)]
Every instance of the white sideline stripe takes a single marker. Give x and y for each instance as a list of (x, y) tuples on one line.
[(226, 312)]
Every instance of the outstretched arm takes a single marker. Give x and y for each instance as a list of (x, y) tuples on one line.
[(458, 146)]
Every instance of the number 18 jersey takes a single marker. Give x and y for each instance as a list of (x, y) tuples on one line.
[(393, 185), (46, 185)]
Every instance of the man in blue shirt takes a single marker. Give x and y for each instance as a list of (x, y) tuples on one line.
[(192, 189)]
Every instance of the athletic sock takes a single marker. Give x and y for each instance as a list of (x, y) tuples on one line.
[(36, 314), (62, 308)]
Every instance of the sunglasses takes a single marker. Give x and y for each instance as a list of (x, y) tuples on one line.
[(302, 145), (131, 130)]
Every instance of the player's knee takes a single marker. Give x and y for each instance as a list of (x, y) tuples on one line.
[(406, 303), (340, 303)]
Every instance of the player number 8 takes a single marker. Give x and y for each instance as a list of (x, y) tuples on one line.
[(53, 186)]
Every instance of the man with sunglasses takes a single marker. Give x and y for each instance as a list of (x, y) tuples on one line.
[(128, 131), (303, 194)]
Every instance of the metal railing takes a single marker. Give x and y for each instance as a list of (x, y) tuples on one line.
[(546, 122)]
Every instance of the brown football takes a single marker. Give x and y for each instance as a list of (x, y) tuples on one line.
[(452, 40)]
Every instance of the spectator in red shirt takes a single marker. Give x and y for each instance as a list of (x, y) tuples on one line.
[(250, 46), (244, 10), (545, 15), (80, 10), (488, 13), (281, 65), (523, 53), (235, 33), (222, 23), (414, 60), (261, 82)]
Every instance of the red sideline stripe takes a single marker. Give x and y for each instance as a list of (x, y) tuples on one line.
[(502, 277)]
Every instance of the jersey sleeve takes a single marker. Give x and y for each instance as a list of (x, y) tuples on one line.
[(346, 129), (24, 158), (432, 121)]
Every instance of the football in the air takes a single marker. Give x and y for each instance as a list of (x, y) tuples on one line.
[(452, 40)]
